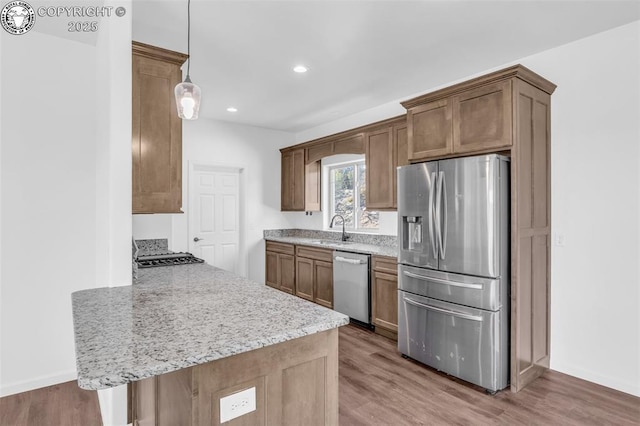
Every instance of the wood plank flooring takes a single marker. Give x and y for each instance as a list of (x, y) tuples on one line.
[(379, 387), (59, 405)]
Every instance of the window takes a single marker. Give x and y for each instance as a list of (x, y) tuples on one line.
[(347, 196)]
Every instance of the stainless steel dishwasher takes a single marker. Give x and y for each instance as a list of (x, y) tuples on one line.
[(351, 289)]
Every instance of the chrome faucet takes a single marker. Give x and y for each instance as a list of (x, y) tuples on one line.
[(344, 234)]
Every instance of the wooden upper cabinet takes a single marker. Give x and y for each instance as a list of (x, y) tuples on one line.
[(482, 118), (319, 151), (430, 130), (156, 130), (293, 180), (312, 186), (350, 145), (401, 141), (380, 159)]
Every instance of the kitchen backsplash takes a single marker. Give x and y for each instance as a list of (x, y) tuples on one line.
[(362, 238), (153, 246)]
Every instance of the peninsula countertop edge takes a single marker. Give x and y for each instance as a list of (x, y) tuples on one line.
[(177, 317)]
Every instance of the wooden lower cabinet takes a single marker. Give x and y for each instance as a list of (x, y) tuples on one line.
[(314, 275), (296, 384), (280, 266), (324, 283), (306, 272), (384, 295), (304, 278)]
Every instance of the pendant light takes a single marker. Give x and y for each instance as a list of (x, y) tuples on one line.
[(187, 93)]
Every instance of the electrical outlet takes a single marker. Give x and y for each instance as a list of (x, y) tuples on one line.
[(559, 240), (237, 404)]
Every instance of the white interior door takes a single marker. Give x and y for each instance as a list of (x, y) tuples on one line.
[(214, 217)]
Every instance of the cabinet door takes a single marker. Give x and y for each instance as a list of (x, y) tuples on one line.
[(312, 187), (400, 142), (482, 118), (429, 130), (304, 278), (323, 283), (380, 161), (384, 297), (286, 188), (530, 237), (271, 273), (156, 137), (292, 191), (287, 273)]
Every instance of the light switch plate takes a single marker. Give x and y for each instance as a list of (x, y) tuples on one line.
[(237, 404)]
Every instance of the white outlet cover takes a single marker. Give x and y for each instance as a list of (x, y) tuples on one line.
[(237, 404)]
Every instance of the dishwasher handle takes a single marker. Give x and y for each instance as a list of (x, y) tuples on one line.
[(350, 261)]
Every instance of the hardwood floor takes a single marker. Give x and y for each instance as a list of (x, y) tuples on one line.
[(59, 405), (379, 387)]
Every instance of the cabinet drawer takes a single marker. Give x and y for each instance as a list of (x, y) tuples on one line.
[(280, 247), (314, 253), (385, 264)]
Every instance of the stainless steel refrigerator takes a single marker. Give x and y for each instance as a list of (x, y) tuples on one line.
[(453, 267)]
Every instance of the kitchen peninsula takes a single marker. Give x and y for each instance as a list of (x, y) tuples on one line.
[(186, 336)]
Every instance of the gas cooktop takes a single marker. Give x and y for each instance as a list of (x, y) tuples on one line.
[(167, 259)]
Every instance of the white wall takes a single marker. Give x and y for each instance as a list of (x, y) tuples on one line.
[(48, 204), (595, 298), (254, 149), (65, 175)]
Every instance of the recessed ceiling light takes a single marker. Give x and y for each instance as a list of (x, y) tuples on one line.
[(300, 68), (232, 109)]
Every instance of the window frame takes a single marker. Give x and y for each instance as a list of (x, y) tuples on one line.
[(356, 186)]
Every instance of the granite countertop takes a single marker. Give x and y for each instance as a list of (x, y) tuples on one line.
[(180, 316), (358, 242), (353, 247)]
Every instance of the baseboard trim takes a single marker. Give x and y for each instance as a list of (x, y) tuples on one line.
[(620, 385), (37, 383)]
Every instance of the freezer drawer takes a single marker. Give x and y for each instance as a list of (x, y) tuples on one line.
[(482, 293), (468, 343)]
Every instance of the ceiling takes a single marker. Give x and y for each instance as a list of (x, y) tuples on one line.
[(360, 54)]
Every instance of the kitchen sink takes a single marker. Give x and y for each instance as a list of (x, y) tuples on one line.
[(330, 242)]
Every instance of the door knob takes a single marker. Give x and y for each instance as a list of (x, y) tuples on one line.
[(196, 239)]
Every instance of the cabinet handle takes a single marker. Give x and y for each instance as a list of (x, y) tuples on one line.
[(196, 239), (351, 261)]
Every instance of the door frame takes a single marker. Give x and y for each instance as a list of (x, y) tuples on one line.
[(196, 166)]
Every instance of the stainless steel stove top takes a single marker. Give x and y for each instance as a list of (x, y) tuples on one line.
[(167, 259)]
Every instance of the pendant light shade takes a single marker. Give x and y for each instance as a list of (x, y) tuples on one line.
[(188, 99), (187, 93)]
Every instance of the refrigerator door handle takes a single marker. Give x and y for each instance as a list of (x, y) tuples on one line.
[(443, 311), (439, 214), (443, 230), (432, 238), (445, 282)]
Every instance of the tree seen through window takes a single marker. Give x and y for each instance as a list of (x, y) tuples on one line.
[(348, 196)]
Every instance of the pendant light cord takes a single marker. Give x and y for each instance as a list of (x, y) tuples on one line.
[(188, 37)]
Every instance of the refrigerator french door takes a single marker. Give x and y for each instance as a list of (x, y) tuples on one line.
[(453, 267)]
